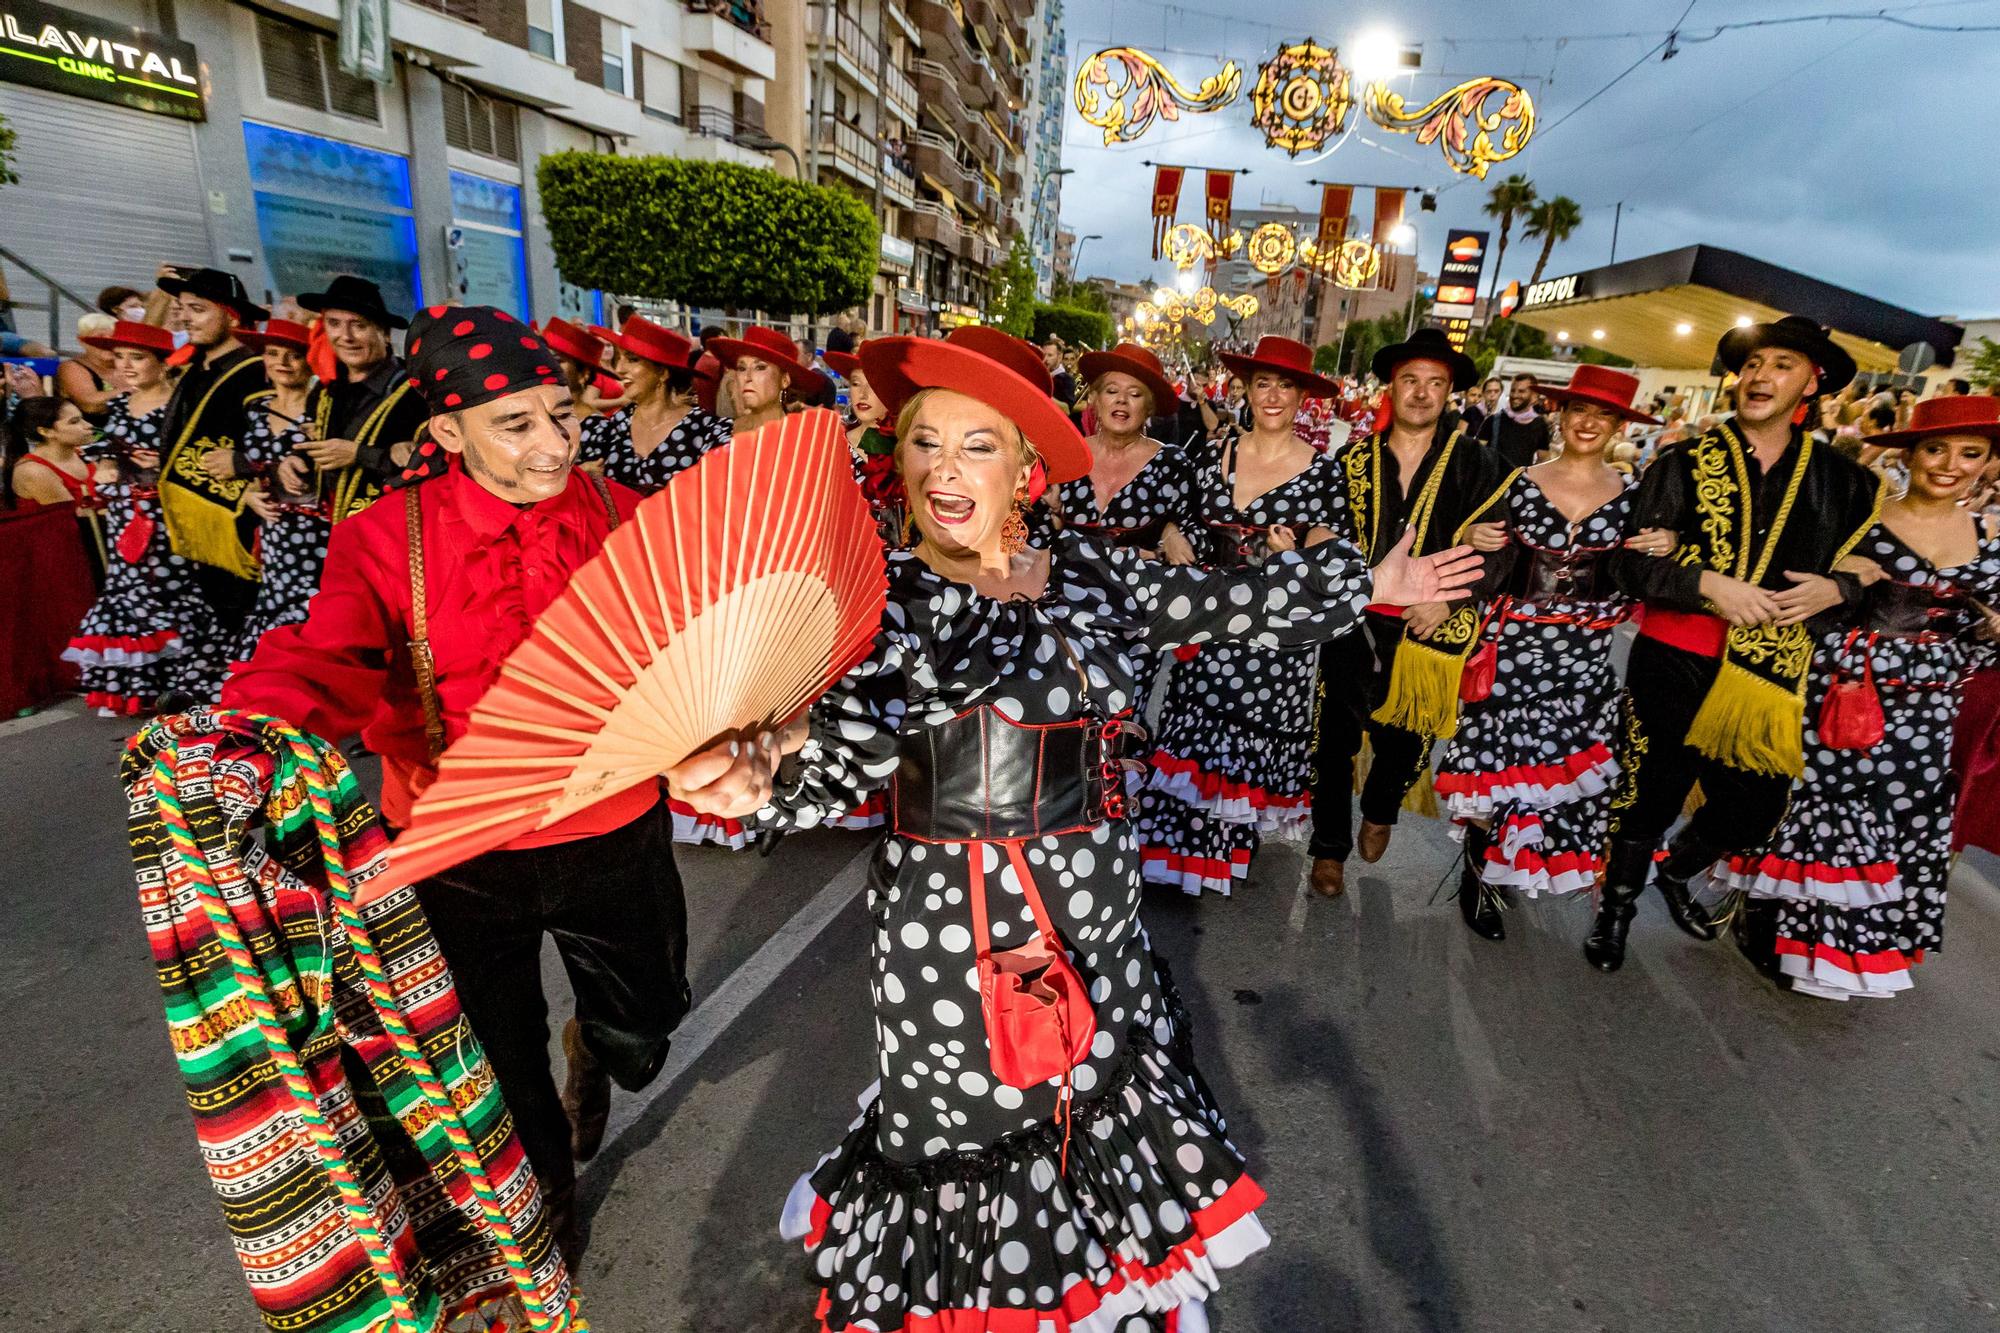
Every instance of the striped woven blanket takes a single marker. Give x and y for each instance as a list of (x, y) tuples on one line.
[(367, 1167)]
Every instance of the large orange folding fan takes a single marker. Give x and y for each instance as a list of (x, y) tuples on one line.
[(727, 602)]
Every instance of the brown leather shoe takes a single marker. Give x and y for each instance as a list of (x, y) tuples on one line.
[(586, 1096), (1373, 840), (1329, 877)]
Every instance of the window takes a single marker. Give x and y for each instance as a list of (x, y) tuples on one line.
[(662, 87), (617, 58), (545, 28), (301, 67), (481, 124)]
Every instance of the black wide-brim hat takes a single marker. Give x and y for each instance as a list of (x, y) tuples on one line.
[(356, 295), (1797, 333), (1426, 345), (212, 284)]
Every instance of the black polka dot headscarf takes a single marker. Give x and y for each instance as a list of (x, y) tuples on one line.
[(462, 356)]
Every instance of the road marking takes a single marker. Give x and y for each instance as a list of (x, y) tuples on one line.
[(741, 989), (62, 712)]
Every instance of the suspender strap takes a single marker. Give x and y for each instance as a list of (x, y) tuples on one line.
[(420, 638)]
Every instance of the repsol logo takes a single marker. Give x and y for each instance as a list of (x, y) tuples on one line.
[(1547, 293)]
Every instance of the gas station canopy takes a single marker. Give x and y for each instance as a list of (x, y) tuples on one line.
[(1670, 309)]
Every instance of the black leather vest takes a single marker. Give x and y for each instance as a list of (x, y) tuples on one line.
[(1578, 574), (1906, 610), (982, 778)]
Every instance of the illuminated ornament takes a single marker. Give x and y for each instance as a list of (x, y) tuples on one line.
[(1356, 265), (1201, 305), (1108, 79), (1451, 119), (1189, 244), (1302, 98), (1272, 248), (1242, 305)]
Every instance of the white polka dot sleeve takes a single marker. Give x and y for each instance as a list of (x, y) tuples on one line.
[(1292, 600), (850, 747)]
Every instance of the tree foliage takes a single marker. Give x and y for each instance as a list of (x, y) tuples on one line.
[(8, 176), (1014, 290), (1984, 367), (707, 233), (1076, 326), (1505, 200)]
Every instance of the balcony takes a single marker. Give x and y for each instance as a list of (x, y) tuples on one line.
[(732, 34), (934, 222), (464, 10), (899, 179), (938, 93), (932, 156), (944, 38), (861, 53), (714, 123), (848, 150), (899, 94)]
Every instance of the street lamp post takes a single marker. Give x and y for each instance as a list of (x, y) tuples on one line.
[(1076, 255), (1041, 205)]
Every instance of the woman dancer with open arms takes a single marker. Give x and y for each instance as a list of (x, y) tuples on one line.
[(1233, 761), (1100, 1195), (1849, 894), (1530, 772)]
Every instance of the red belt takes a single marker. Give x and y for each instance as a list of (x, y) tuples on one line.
[(1690, 631), (1388, 609)]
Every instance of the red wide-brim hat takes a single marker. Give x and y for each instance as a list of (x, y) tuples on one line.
[(774, 347), (1017, 354), (899, 367), (277, 333), (129, 333), (1601, 386), (1954, 414), (844, 363), (1282, 356), (1138, 362), (648, 341), (579, 345)]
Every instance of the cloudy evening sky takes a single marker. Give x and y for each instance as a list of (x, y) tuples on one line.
[(1859, 152)]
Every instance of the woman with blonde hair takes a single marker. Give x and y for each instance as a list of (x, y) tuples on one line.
[(87, 379), (766, 375), (1050, 1159)]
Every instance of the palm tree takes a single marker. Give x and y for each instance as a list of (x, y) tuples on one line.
[(1553, 220), (1516, 194)]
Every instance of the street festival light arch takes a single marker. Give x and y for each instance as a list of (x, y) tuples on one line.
[(1123, 91)]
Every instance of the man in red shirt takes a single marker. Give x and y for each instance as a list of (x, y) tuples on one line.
[(486, 545)]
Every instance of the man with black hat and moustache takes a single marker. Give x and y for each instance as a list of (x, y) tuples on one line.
[(1715, 687), (365, 422), (201, 491), (1399, 685), (485, 546)]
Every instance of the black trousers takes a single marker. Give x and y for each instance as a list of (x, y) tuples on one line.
[(614, 906), (1353, 682), (1664, 688)]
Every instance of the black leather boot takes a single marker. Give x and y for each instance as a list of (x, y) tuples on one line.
[(1625, 873), (1756, 933), (1479, 902), (1687, 856)]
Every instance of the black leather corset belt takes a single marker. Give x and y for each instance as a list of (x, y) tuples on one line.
[(1145, 536), (1907, 610), (1579, 574), (982, 778)]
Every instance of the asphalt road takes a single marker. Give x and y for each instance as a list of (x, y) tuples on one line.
[(1455, 1135)]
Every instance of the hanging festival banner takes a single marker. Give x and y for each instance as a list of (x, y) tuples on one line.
[(1302, 97), (1166, 202), (1458, 284), (1335, 203), (1449, 121), (1221, 185), (1388, 217), (1118, 74)]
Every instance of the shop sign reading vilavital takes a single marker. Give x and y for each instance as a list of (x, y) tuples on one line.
[(67, 52)]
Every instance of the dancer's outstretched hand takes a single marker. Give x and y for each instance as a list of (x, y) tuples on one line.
[(1406, 580)]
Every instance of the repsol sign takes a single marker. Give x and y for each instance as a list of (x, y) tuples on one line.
[(1550, 292), (63, 51)]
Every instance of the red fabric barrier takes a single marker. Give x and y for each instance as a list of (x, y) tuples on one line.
[(1975, 755), (45, 587)]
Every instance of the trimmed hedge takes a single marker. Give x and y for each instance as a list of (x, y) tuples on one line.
[(1076, 326), (707, 233)]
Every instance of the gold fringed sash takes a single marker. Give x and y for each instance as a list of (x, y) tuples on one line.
[(200, 511)]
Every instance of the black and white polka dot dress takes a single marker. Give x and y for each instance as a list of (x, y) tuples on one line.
[(1860, 861), (608, 440), (954, 1192), (1233, 759), (150, 629), (291, 548), (1535, 757)]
